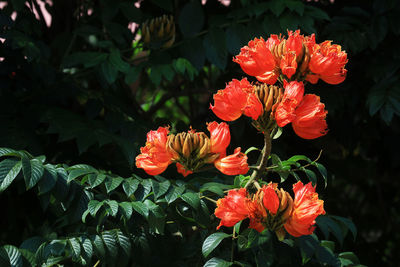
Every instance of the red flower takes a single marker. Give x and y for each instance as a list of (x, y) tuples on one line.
[(309, 122), (220, 137), (181, 169), (270, 199), (154, 157), (233, 164), (270, 77), (288, 64), (295, 42), (256, 58), (237, 98), (292, 97), (328, 61), (232, 208), (306, 208)]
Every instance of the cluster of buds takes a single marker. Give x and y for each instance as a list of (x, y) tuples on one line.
[(296, 58), (291, 61), (191, 151), (273, 209), (159, 32)]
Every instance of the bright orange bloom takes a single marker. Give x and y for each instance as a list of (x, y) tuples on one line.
[(309, 122), (181, 169), (328, 62), (154, 157), (256, 58), (237, 98), (295, 42), (233, 164), (288, 64), (270, 199), (232, 208), (270, 77), (285, 111), (306, 208), (220, 137)]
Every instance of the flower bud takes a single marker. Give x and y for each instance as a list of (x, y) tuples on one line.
[(159, 32)]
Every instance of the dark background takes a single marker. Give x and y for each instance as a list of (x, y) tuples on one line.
[(80, 90)]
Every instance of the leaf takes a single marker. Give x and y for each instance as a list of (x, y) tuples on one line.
[(140, 208), (75, 248), (110, 244), (9, 169), (116, 61), (217, 262), (96, 179), (112, 182), (32, 170), (48, 180), (11, 255), (350, 256), (123, 241), (126, 209), (192, 199), (98, 246), (251, 149), (196, 58), (299, 157), (322, 170), (87, 247), (311, 176), (308, 244), (348, 223), (191, 19), (316, 13), (113, 207), (255, 238), (325, 255), (212, 241), (94, 206), (173, 193), (328, 244), (326, 221), (77, 173), (164, 4), (28, 257), (109, 71), (130, 185), (160, 189)]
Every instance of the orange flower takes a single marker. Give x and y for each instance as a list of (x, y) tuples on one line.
[(292, 97), (181, 169), (288, 64), (309, 122), (256, 58), (328, 62), (237, 98), (154, 157), (306, 208), (232, 208), (270, 199), (220, 137), (233, 164), (295, 42)]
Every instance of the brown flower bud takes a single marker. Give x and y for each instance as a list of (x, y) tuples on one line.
[(159, 32)]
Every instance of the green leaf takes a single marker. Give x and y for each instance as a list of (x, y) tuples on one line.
[(32, 170), (75, 248), (299, 157), (212, 241), (348, 223), (28, 256), (96, 179), (311, 176), (117, 62), (251, 149), (48, 180), (197, 59), (296, 6), (316, 13), (277, 7), (160, 189), (217, 262), (308, 244), (349, 256), (11, 256), (328, 244), (140, 208), (192, 199), (326, 221), (112, 182), (325, 255), (164, 4), (322, 170), (9, 169), (123, 241), (110, 244), (94, 206), (113, 207), (191, 18), (130, 11), (130, 185), (77, 173), (126, 209), (87, 247), (87, 59), (109, 71), (98, 246), (173, 193), (255, 238)]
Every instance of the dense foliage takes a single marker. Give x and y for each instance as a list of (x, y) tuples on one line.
[(84, 90)]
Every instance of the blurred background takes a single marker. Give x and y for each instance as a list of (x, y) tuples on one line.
[(84, 81)]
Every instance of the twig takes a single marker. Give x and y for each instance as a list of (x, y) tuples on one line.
[(264, 158), (209, 199), (97, 263), (311, 163)]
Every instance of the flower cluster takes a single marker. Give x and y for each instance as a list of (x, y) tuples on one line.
[(290, 61), (190, 151), (273, 209)]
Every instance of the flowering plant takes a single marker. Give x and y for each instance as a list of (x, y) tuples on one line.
[(282, 67)]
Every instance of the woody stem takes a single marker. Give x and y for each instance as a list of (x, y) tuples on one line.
[(263, 161)]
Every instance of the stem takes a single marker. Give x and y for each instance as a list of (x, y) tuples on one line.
[(233, 244), (264, 158), (209, 199)]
